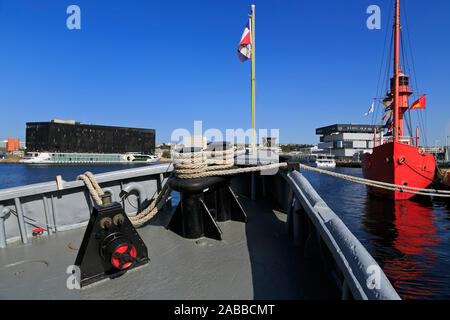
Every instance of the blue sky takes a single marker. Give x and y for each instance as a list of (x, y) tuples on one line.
[(164, 64)]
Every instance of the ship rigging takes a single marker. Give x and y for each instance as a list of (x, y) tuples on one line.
[(397, 158)]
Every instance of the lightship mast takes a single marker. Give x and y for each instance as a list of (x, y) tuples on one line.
[(395, 125), (252, 30)]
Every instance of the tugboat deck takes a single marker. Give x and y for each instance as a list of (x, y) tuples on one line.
[(253, 261)]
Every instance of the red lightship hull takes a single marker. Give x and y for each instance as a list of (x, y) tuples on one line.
[(400, 164)]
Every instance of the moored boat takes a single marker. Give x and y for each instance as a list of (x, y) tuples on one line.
[(325, 161), (77, 158), (396, 158)]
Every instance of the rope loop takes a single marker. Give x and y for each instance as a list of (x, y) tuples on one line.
[(192, 163), (155, 206)]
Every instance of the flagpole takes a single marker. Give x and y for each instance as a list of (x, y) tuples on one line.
[(252, 18)]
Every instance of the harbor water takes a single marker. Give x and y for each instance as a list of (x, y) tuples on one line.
[(409, 239), (13, 175)]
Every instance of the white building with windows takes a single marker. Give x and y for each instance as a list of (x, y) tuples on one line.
[(347, 141)]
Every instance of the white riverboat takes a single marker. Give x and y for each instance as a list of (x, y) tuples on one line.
[(325, 161), (69, 158)]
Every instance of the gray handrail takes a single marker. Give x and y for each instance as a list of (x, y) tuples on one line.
[(40, 194), (355, 262), (44, 187)]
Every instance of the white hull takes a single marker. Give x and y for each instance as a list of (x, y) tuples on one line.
[(324, 165), (86, 158), (325, 161)]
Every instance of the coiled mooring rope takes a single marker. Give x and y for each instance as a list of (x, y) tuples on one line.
[(93, 187), (195, 163), (202, 164), (154, 207), (139, 219)]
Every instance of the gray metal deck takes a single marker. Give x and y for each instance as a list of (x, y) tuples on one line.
[(253, 261), (292, 247)]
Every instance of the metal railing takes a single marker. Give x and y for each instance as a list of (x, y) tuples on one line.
[(412, 141), (44, 204), (362, 277)]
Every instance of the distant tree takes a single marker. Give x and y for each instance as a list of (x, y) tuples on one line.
[(166, 154)]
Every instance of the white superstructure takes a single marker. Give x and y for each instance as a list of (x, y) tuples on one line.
[(68, 158), (325, 161)]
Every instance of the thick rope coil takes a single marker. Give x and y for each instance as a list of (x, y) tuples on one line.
[(92, 190), (225, 172), (189, 162), (190, 165), (220, 159), (96, 192), (156, 205), (94, 183)]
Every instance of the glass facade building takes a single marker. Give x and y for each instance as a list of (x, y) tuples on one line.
[(347, 141), (57, 137)]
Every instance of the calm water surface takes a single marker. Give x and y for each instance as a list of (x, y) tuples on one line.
[(409, 239), (13, 175)]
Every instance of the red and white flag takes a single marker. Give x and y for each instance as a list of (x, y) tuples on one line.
[(244, 50)]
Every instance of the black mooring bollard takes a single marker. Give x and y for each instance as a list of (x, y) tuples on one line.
[(204, 201), (223, 203)]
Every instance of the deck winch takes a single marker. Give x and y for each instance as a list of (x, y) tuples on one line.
[(203, 201), (111, 245)]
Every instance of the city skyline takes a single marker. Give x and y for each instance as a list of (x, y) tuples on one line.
[(166, 65)]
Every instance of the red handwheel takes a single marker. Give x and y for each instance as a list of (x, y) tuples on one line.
[(124, 256)]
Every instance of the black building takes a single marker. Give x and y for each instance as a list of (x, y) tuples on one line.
[(71, 136)]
